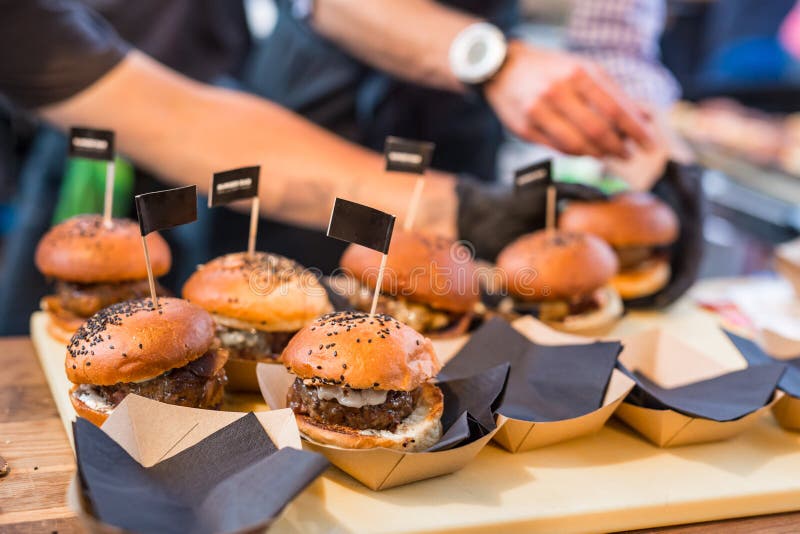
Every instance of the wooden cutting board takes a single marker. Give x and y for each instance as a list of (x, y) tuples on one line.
[(611, 481)]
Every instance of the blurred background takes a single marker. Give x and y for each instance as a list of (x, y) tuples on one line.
[(739, 114), (737, 64)]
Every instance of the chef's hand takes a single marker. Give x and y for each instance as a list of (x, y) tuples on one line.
[(645, 167), (492, 215), (681, 187), (566, 102)]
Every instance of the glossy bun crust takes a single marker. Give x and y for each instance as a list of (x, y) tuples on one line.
[(556, 265), (132, 342), (423, 268), (83, 250), (266, 292), (352, 349), (627, 219), (417, 432)]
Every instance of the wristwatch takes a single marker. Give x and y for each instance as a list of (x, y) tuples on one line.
[(477, 54)]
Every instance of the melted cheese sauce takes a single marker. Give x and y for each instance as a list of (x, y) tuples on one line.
[(352, 398), (90, 398)]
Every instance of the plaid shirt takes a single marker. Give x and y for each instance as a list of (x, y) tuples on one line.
[(622, 36)]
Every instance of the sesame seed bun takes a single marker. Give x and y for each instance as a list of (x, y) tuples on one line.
[(643, 280), (554, 265), (627, 219), (354, 350), (83, 250), (132, 342), (424, 268), (266, 292), (417, 432)]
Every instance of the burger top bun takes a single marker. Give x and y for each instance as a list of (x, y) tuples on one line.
[(83, 250), (423, 268), (132, 342), (556, 265), (265, 291), (627, 219), (354, 350)]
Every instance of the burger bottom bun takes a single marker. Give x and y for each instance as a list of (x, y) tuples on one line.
[(417, 432), (597, 322), (93, 416), (644, 280), (60, 331), (61, 323), (241, 374)]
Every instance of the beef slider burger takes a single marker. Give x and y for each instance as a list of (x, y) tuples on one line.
[(640, 228), (364, 382), (170, 355), (429, 283), (94, 266), (563, 278), (258, 302)]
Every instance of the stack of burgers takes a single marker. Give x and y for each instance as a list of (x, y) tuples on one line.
[(576, 277)]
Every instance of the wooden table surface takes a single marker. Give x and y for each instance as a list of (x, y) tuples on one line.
[(32, 440)]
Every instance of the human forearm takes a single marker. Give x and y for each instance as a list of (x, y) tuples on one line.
[(410, 39), (184, 131), (542, 96)]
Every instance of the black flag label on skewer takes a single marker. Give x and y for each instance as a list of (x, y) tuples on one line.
[(540, 173), (166, 209), (233, 185), (406, 155), (91, 144), (362, 225)]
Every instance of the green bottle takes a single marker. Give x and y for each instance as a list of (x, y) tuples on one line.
[(83, 188)]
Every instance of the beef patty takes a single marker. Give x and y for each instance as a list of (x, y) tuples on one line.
[(418, 316), (304, 400), (199, 384), (557, 310), (631, 257), (85, 300), (253, 344)]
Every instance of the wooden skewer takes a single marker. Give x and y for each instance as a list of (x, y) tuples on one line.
[(378, 286), (551, 207), (150, 278), (414, 204), (251, 241)]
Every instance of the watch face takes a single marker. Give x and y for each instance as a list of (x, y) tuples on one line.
[(477, 53)]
